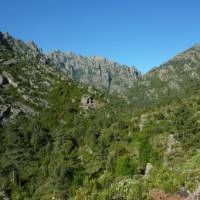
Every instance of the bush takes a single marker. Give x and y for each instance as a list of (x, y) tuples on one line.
[(78, 179), (147, 153), (124, 166)]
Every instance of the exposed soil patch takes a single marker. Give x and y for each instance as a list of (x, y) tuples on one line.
[(161, 195)]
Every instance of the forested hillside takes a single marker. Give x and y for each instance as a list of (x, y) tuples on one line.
[(60, 139)]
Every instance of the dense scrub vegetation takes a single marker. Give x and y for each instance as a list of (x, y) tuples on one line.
[(63, 150), (98, 154)]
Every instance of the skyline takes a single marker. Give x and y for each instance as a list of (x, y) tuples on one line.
[(127, 32)]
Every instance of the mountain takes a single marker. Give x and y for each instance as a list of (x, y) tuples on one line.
[(177, 78), (95, 71), (29, 50), (62, 139)]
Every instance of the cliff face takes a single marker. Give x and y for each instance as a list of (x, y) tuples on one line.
[(95, 71)]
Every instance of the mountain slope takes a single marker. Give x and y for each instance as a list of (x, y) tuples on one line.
[(48, 129), (62, 140), (177, 78)]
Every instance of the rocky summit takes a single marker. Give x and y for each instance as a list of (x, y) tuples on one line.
[(66, 133), (95, 71)]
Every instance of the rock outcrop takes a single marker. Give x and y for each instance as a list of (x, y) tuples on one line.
[(88, 102), (29, 50), (22, 72), (7, 76), (148, 169)]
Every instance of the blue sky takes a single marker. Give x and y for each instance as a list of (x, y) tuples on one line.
[(144, 33)]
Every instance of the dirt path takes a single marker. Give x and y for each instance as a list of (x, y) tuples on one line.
[(161, 195)]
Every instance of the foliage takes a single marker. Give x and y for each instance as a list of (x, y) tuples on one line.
[(68, 152), (124, 166)]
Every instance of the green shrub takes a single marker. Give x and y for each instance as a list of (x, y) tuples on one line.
[(78, 180), (124, 166), (147, 153)]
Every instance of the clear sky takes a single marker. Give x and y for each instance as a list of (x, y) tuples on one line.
[(144, 33)]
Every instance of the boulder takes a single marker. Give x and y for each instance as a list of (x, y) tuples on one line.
[(87, 101), (184, 192), (10, 79), (148, 169), (170, 143)]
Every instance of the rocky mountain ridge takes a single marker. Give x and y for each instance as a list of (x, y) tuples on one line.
[(95, 71), (29, 49), (165, 81)]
